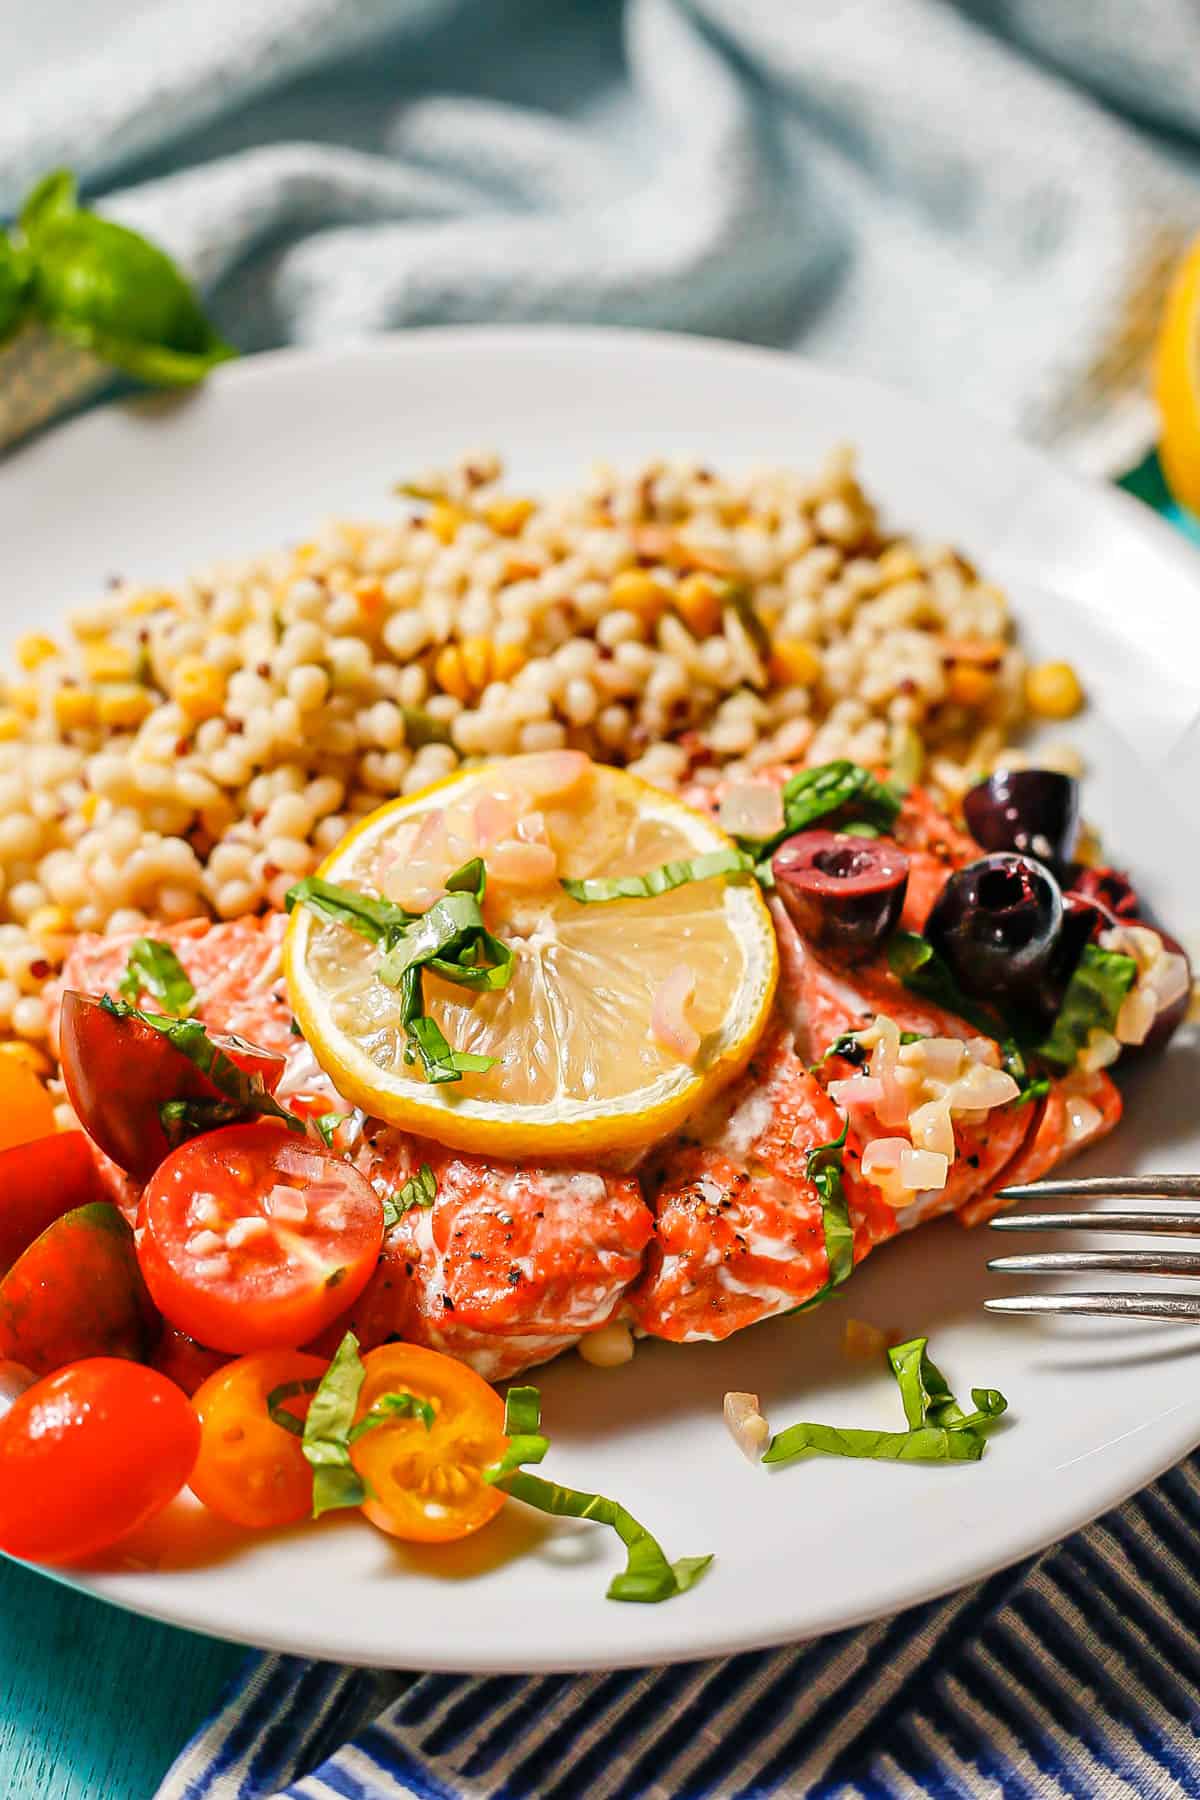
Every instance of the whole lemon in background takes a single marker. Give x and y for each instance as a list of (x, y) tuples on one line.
[(1177, 383)]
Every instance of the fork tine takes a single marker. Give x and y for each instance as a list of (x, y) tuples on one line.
[(1150, 1224), (1093, 1187), (1082, 1262), (1127, 1306)]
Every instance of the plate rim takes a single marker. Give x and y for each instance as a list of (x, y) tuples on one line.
[(1172, 1436)]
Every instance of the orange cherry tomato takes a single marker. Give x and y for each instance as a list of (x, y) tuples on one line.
[(251, 1238), (251, 1470), (119, 1072), (26, 1109), (427, 1485), (89, 1453)]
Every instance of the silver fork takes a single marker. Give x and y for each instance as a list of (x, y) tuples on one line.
[(1129, 1262)]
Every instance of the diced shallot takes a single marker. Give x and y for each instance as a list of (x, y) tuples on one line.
[(495, 818), (548, 774), (893, 1108), (857, 1090), (513, 864), (1082, 1119), (669, 1023), (981, 1088), (931, 1129), (286, 1204), (923, 1169), (748, 1428), (751, 809)]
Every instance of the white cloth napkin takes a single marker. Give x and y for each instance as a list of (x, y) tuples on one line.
[(978, 201)]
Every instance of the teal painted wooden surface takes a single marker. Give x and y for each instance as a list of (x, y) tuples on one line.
[(95, 1704)]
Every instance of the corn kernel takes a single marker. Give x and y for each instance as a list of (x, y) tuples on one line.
[(26, 697), (795, 663), (636, 591), (449, 673), (150, 600), (444, 520), (370, 597), (508, 516), (29, 1054), (198, 688), (506, 660), (124, 705), (33, 650), (698, 604), (49, 922), (11, 725), (89, 806), (74, 708), (1053, 691), (108, 662), (476, 654), (969, 686), (899, 562)]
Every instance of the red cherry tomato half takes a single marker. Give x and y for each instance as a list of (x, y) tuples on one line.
[(185, 1362), (40, 1181), (253, 1239), (119, 1072), (88, 1454)]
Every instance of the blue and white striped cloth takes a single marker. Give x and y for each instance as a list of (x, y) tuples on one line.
[(1076, 1675)]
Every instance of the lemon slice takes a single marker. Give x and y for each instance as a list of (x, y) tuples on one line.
[(1177, 383), (584, 1062)]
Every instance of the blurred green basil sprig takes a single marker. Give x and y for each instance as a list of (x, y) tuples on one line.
[(104, 288)]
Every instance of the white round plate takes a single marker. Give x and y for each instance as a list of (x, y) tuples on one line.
[(154, 488)]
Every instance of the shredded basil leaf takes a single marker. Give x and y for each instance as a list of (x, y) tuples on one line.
[(737, 598), (372, 918), (647, 1576), (938, 1430), (860, 828), (290, 1390), (154, 968), (840, 795), (915, 962), (1101, 980), (824, 1169), (188, 1036), (421, 728), (389, 1407), (184, 1119), (652, 882), (451, 940), (419, 1190), (326, 1437), (327, 1125)]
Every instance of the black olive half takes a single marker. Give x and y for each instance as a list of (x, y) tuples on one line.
[(997, 925), (842, 892), (1032, 811)]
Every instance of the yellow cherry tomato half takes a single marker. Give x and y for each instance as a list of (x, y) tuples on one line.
[(426, 1482), (250, 1470)]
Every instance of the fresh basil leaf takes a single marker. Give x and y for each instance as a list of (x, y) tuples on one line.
[(648, 1576), (389, 1407), (189, 1037), (860, 828), (737, 598), (823, 1168), (15, 277), (1101, 980), (652, 882), (419, 1190), (924, 1391), (375, 919), (113, 293), (452, 925), (470, 879), (326, 1437), (1037, 1089), (154, 968)]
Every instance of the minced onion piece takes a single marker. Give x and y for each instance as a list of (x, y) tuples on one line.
[(669, 1023), (751, 809), (747, 1426)]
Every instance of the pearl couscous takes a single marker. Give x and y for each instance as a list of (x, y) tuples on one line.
[(196, 750)]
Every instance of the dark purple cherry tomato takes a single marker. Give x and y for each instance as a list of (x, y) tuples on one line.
[(843, 892), (997, 924), (1033, 811)]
